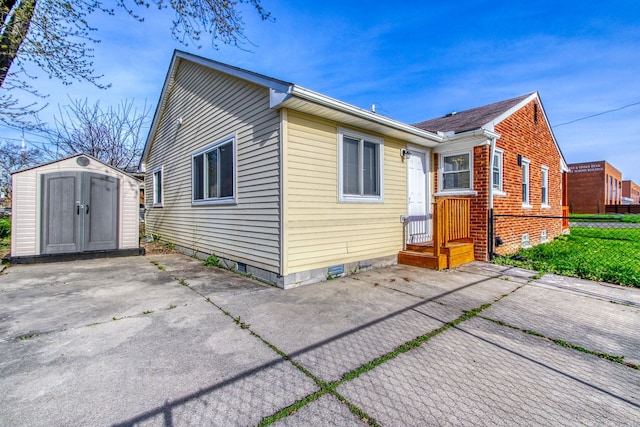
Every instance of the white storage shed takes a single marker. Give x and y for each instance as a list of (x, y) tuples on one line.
[(76, 206)]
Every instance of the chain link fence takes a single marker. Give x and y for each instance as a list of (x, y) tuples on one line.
[(604, 248)]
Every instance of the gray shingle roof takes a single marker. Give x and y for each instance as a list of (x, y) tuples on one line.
[(471, 119)]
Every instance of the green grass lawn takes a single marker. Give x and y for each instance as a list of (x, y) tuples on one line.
[(604, 254)]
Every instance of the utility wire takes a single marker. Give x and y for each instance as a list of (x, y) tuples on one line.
[(598, 114)]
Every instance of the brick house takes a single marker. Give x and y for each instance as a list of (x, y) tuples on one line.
[(592, 186), (294, 187), (631, 191), (504, 157)]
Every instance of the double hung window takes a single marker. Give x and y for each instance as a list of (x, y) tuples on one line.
[(456, 171), (360, 165), (157, 187), (214, 173), (545, 186), (525, 183), (497, 170)]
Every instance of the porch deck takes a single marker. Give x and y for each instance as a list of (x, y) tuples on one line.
[(452, 244), (423, 255)]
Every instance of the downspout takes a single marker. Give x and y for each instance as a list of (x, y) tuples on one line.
[(491, 237)]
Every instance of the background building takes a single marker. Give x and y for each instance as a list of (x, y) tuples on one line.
[(592, 186), (631, 190)]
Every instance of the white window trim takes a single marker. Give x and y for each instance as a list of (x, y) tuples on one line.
[(500, 190), (527, 203), (544, 204), (156, 203), (455, 191), (218, 200), (357, 198)]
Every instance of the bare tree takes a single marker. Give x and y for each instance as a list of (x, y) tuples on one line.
[(56, 36), (12, 158), (113, 135)]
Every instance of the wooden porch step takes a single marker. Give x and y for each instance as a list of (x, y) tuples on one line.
[(422, 259), (422, 255), (459, 253)]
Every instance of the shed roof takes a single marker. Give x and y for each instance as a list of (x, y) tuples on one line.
[(71, 157)]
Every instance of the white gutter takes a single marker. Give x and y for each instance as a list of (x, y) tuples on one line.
[(456, 137)]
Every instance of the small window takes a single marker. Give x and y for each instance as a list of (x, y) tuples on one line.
[(456, 171), (360, 165), (497, 170), (157, 187), (525, 183), (525, 242), (214, 172), (545, 186)]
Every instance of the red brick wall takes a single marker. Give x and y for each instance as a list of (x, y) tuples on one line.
[(589, 190), (632, 190), (526, 133)]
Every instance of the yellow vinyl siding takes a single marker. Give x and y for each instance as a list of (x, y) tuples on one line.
[(320, 231), (212, 106)]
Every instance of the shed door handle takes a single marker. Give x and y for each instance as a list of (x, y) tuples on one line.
[(87, 212), (77, 209)]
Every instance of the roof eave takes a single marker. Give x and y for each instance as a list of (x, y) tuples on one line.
[(307, 101), (178, 56)]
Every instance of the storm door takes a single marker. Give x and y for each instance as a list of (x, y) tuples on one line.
[(419, 223)]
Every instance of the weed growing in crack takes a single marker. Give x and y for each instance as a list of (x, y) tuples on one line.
[(241, 323), (147, 312), (565, 344), (171, 307), (291, 409), (28, 336)]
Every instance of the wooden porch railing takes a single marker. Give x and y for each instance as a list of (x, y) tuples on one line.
[(451, 221)]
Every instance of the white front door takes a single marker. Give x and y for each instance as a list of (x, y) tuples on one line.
[(419, 223)]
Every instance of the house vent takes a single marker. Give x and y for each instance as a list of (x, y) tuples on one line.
[(83, 161), (525, 241), (242, 267), (335, 270), (543, 236)]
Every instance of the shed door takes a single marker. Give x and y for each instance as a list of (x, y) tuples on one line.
[(79, 212), (419, 226), (60, 226), (100, 219)]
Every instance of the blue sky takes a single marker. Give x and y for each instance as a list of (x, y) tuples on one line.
[(415, 60)]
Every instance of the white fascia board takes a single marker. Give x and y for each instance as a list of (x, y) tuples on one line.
[(528, 99), (240, 73), (274, 85), (428, 138), (168, 80), (511, 110)]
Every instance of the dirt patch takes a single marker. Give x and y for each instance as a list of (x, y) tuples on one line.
[(154, 248)]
